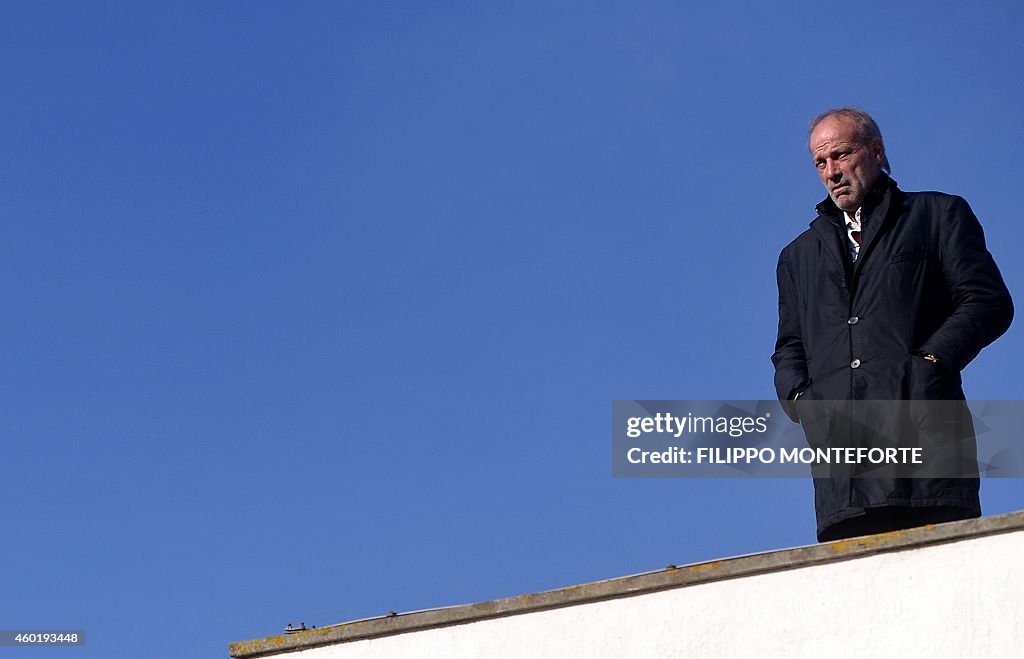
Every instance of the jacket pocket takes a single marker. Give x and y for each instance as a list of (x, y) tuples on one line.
[(936, 407), (910, 255), (928, 380), (817, 417)]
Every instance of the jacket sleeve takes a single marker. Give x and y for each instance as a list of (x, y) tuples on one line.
[(789, 358), (982, 308)]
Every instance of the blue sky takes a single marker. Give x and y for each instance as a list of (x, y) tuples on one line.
[(316, 310)]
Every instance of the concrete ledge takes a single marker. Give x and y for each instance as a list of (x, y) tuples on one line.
[(670, 578)]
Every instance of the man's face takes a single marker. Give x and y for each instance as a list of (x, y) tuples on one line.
[(847, 166)]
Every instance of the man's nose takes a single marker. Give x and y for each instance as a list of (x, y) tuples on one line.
[(832, 170)]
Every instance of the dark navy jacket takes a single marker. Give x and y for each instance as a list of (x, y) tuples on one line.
[(923, 283)]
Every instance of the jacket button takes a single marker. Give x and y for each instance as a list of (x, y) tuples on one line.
[(855, 363), (854, 320)]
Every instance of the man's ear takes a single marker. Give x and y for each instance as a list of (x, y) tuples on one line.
[(878, 151)]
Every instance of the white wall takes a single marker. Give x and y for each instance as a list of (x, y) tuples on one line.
[(962, 599)]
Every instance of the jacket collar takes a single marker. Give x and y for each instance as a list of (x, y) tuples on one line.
[(831, 229), (875, 196)]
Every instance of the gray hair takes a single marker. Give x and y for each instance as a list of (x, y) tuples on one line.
[(867, 129)]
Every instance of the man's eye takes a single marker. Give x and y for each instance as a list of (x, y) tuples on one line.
[(820, 164)]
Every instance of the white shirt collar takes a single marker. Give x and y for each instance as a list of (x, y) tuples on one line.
[(853, 223)]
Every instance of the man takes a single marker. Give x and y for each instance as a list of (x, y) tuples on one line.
[(887, 297)]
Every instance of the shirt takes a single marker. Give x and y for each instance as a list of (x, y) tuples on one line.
[(852, 241)]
